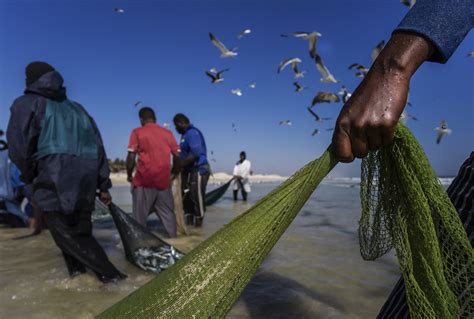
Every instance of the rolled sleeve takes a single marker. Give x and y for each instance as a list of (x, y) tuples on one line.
[(444, 23)]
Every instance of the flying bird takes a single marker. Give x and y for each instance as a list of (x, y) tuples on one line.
[(244, 33), (325, 97), (166, 125), (405, 116), (299, 87), (376, 51), (345, 94), (225, 53), (311, 37), (236, 91), (359, 67), (408, 3), (294, 65), (317, 117), (216, 77), (286, 122), (327, 76), (330, 129), (470, 54), (119, 10), (137, 103), (442, 130), (233, 127), (315, 132), (253, 85)]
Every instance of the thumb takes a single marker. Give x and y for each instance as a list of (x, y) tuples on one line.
[(342, 145)]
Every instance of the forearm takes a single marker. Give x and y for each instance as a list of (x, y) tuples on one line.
[(130, 164), (403, 55), (189, 160)]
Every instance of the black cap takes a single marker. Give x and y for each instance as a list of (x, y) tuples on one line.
[(35, 70)]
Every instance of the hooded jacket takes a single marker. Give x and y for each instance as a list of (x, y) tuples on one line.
[(57, 147)]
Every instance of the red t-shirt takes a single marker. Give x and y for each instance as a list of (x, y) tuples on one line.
[(153, 144)]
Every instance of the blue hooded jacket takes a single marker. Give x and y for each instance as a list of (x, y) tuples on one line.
[(57, 147)]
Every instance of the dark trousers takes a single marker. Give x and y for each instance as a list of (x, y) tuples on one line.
[(73, 235), (461, 193), (241, 187), (195, 184)]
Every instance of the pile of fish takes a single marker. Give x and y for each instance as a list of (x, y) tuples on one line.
[(156, 259)]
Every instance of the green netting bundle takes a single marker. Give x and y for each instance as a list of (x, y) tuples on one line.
[(404, 206), (208, 280)]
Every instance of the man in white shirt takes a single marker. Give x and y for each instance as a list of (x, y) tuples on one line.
[(242, 171)]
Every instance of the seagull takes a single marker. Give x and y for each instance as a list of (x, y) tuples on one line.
[(233, 127), (137, 103), (376, 51), (312, 37), (362, 69), (317, 117), (408, 3), (327, 76), (119, 10), (244, 33), (286, 122), (442, 130), (253, 85), (225, 53), (236, 91), (216, 76), (470, 54), (405, 116), (345, 94), (315, 132), (299, 87), (294, 65), (325, 97), (166, 125)]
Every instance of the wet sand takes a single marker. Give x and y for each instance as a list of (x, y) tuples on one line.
[(314, 271)]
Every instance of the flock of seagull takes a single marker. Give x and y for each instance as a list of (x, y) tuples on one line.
[(216, 76)]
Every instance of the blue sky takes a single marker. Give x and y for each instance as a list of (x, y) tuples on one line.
[(157, 52)]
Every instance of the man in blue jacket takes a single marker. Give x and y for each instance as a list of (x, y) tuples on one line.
[(59, 151), (431, 31), (196, 169)]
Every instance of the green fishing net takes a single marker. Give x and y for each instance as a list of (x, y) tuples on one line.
[(403, 206)]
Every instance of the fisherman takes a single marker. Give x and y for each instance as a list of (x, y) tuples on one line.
[(59, 151), (242, 171), (151, 183), (196, 169), (431, 31)]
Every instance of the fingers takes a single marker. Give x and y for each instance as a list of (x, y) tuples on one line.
[(342, 144), (374, 137), (359, 144)]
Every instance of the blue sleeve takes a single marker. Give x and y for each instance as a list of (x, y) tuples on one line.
[(22, 134), (195, 142), (444, 23)]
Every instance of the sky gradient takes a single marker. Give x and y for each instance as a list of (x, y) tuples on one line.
[(157, 52)]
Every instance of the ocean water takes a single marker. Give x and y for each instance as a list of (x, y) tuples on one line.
[(314, 271)]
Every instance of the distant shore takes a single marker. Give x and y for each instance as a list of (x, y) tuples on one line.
[(120, 179)]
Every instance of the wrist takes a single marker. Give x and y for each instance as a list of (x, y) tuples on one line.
[(404, 54)]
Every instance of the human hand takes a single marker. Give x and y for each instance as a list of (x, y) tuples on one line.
[(367, 121), (105, 198), (129, 178)]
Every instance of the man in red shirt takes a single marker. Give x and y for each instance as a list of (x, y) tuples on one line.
[(151, 183)]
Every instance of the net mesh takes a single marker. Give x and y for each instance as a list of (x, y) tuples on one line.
[(405, 206)]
